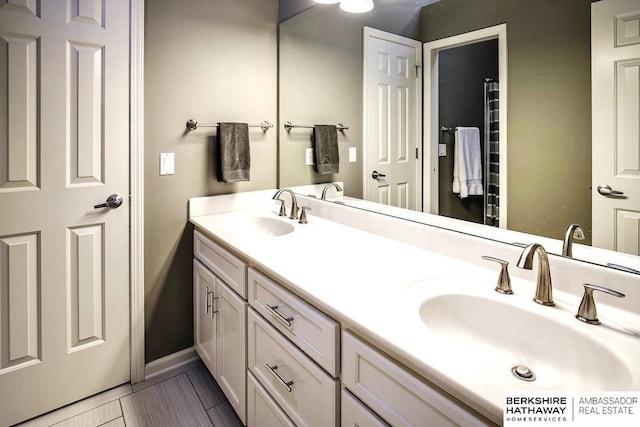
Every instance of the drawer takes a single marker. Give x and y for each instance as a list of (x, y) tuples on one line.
[(262, 410), (311, 330), (302, 389), (355, 414), (231, 269), (396, 395)]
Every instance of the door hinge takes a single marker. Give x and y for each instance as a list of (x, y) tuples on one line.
[(417, 153), (417, 71)]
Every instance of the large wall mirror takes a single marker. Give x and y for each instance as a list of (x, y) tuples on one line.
[(549, 164)]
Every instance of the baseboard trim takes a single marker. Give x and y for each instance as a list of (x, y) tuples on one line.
[(169, 363)]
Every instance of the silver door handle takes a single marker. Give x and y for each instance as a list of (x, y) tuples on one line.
[(376, 175), (113, 201), (606, 190)]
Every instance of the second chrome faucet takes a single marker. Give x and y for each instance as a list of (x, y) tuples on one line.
[(544, 291)]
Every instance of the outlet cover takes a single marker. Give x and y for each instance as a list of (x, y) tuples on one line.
[(442, 150), (167, 163), (353, 154), (309, 157)]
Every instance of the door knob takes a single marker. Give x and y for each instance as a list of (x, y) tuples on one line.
[(376, 175), (606, 190), (113, 201)]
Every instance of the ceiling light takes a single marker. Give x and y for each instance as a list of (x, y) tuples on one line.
[(327, 1), (356, 6)]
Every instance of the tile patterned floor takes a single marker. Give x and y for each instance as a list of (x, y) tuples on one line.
[(187, 396)]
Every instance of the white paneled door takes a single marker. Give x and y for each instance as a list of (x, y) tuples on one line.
[(615, 44), (64, 144), (392, 112)]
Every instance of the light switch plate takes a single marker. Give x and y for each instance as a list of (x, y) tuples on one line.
[(442, 150), (309, 157), (353, 154), (167, 163)]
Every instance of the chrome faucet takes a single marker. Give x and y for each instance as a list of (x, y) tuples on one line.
[(326, 187), (544, 291), (574, 231), (294, 202)]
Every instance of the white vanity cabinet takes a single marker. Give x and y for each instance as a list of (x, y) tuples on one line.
[(220, 336), (396, 395), (277, 355)]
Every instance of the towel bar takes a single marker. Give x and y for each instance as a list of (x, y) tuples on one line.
[(193, 125), (447, 129), (288, 126)]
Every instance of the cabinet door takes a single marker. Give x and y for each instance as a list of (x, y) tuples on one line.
[(231, 342), (203, 287)]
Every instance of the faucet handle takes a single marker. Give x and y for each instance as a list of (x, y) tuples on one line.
[(303, 214), (587, 311), (283, 210), (504, 281)]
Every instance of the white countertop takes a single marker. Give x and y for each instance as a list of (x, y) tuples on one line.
[(362, 280)]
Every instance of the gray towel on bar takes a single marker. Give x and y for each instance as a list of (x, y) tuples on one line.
[(234, 152), (325, 149)]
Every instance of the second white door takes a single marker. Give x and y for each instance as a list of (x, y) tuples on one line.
[(392, 105), (615, 44)]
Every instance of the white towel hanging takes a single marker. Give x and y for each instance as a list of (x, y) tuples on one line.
[(467, 163)]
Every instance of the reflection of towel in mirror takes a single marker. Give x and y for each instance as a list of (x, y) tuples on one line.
[(467, 164), (325, 149), (234, 152)]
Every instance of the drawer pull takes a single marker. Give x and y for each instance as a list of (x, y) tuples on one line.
[(273, 309), (285, 384)]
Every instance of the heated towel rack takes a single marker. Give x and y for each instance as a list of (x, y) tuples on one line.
[(288, 126), (193, 125)]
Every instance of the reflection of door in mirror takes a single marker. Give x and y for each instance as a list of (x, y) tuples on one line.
[(392, 110), (615, 44), (463, 72)]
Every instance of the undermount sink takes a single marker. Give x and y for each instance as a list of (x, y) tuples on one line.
[(504, 338), (255, 226)]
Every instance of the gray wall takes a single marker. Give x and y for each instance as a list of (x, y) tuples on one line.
[(549, 104), (210, 60)]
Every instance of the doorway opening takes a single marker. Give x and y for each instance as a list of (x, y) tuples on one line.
[(467, 96), (471, 72)]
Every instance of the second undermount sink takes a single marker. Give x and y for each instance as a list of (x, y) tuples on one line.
[(255, 226), (495, 336)]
